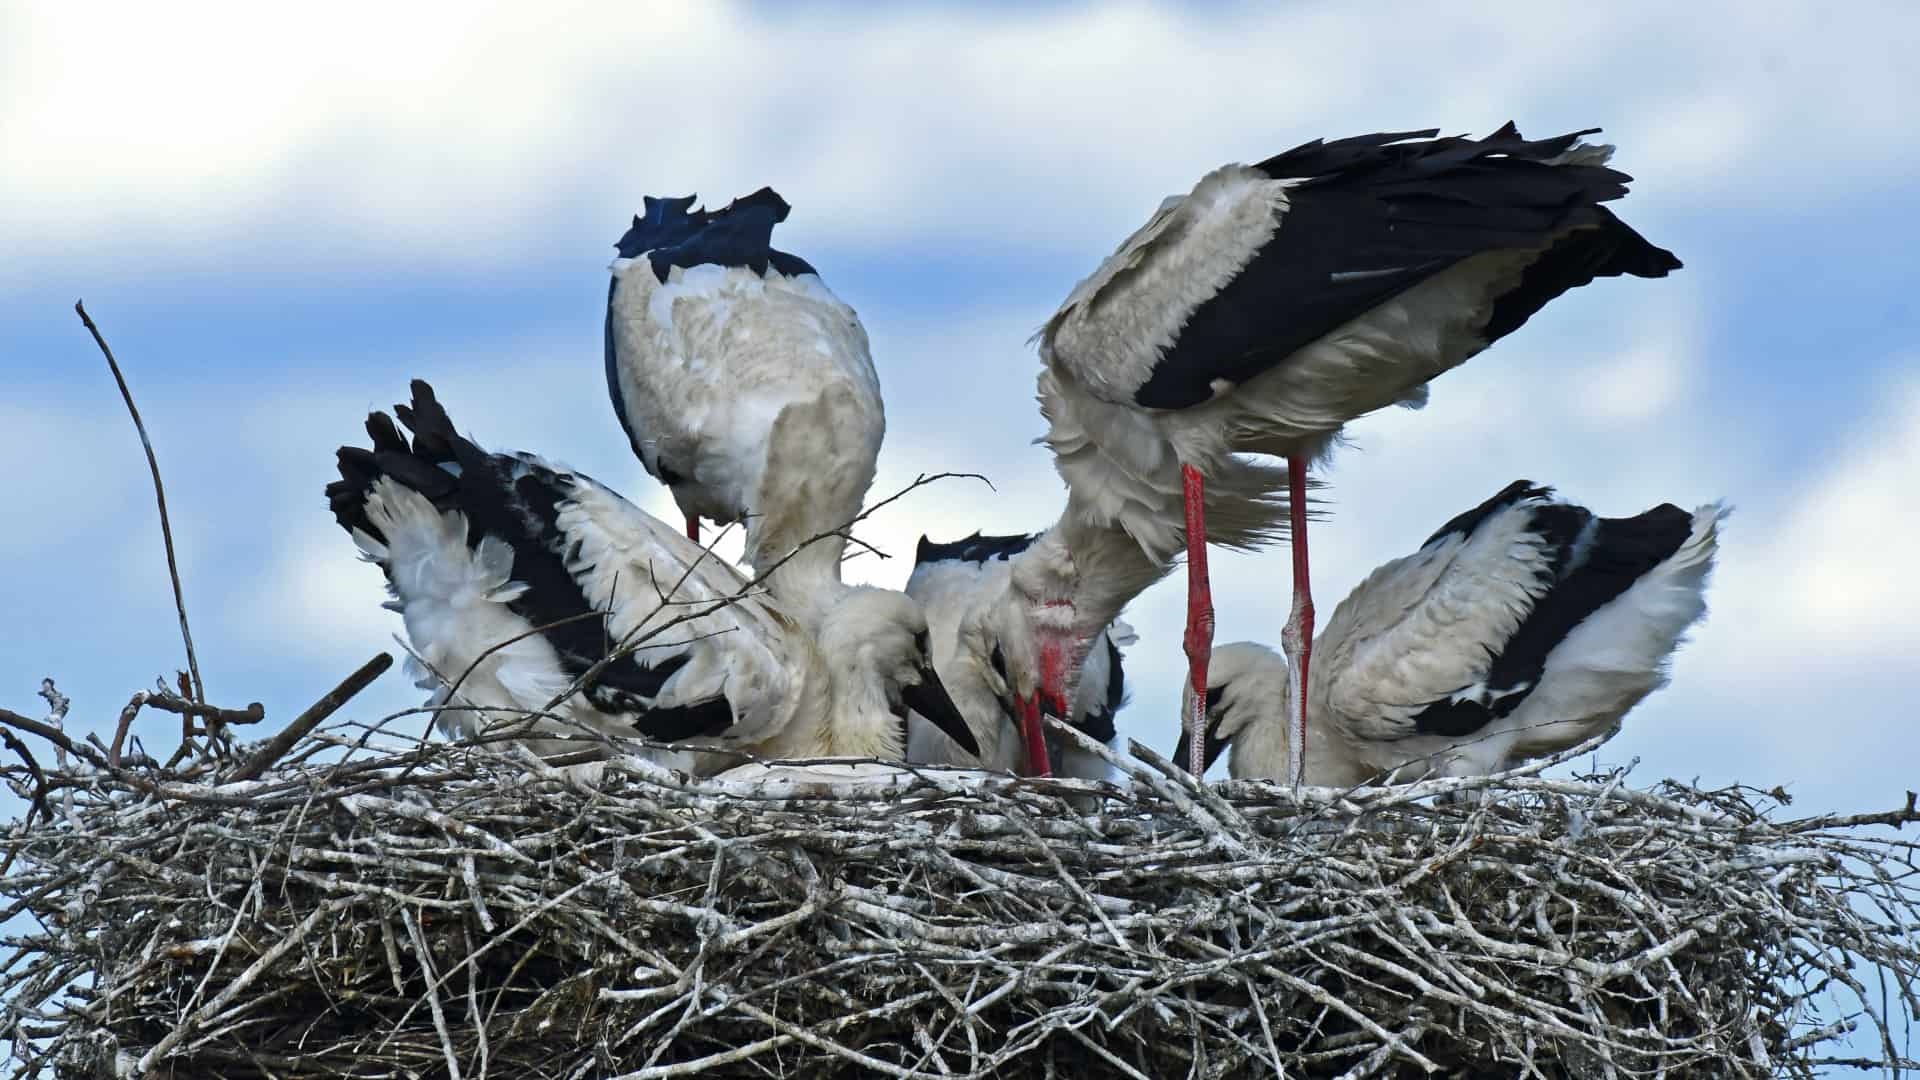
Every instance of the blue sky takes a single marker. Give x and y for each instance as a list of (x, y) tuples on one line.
[(278, 222)]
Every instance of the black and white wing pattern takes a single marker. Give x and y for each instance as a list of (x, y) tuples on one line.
[(1526, 621), (712, 337), (516, 578), (1261, 261)]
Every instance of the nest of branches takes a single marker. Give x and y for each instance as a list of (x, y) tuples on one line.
[(341, 903)]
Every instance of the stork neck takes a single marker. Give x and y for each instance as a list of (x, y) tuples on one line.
[(1074, 581), (805, 579), (1104, 568)]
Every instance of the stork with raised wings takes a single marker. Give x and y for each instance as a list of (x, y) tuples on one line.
[(744, 384), (518, 579), (1277, 301), (951, 580), (1522, 628)]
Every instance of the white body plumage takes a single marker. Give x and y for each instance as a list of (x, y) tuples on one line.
[(1510, 637), (530, 575), (1234, 321), (743, 382)]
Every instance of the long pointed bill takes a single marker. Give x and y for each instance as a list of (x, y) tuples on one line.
[(930, 699), (1056, 668), (1212, 746), (1028, 711), (693, 527)]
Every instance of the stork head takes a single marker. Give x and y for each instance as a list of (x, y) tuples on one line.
[(1247, 705), (975, 675), (1020, 668), (877, 651)]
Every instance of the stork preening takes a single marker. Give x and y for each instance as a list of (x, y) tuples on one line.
[(743, 383), (1277, 301), (518, 579), (1522, 628), (952, 580)]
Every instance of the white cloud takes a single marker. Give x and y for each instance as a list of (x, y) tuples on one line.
[(326, 602), (1641, 383), (483, 132), (1836, 567)]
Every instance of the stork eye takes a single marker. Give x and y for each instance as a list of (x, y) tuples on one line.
[(998, 682)]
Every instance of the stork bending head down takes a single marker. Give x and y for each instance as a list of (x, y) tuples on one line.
[(1040, 615), (1277, 301), (963, 585)]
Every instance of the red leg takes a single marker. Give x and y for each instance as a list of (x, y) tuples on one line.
[(693, 527), (1297, 638), (1031, 728), (1199, 639)]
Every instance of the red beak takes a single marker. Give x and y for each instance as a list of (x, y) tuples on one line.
[(1031, 728)]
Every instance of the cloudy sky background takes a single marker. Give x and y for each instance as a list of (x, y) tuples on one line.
[(278, 219)]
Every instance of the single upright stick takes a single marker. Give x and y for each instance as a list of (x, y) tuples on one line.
[(160, 496)]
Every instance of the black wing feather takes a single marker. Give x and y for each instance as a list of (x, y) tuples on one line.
[(524, 513), (1592, 562), (670, 233), (679, 722), (1099, 724), (1466, 524), (1372, 216), (975, 548)]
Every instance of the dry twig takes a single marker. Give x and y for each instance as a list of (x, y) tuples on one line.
[(160, 496), (411, 909), (276, 748)]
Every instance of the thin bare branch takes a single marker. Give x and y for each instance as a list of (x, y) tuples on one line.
[(252, 714), (160, 497), (39, 797)]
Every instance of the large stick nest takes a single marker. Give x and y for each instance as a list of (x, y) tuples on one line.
[(408, 910)]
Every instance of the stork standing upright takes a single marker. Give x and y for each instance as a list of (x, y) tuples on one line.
[(1522, 628), (744, 384), (533, 576), (1277, 301)]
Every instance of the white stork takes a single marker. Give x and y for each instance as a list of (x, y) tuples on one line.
[(744, 384), (1277, 301), (1523, 627), (530, 575), (950, 580)]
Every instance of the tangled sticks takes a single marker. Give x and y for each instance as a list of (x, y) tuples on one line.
[(410, 910)]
